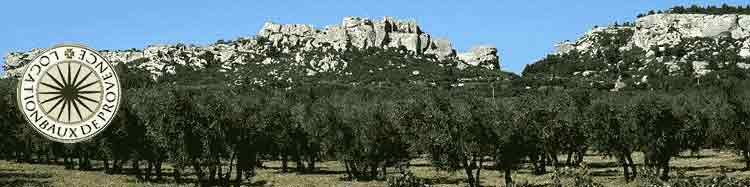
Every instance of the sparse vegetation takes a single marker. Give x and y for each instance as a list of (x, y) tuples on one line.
[(696, 9)]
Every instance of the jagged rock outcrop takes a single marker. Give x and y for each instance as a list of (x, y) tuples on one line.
[(364, 33), (668, 29), (590, 41), (676, 42), (484, 56), (294, 40)]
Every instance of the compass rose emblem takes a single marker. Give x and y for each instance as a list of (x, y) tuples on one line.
[(69, 93)]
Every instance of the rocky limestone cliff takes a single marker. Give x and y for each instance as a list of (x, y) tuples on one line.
[(295, 40), (386, 33), (670, 29), (681, 42)]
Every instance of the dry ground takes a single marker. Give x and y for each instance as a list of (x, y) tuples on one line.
[(604, 170)]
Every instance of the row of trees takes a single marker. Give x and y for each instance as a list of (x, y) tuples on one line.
[(205, 126), (695, 9)]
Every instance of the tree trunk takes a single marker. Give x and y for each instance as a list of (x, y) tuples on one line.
[(158, 170), (117, 166), (212, 173), (508, 177), (106, 166), (115, 169), (355, 169), (470, 177), (244, 162), (219, 175), (137, 168), (284, 163), (540, 169), (665, 173), (374, 170), (348, 169), (231, 167), (81, 162), (479, 169), (87, 163), (177, 174), (254, 163), (238, 173), (469, 174), (553, 158), (579, 156), (27, 155), (629, 159), (66, 162), (625, 170), (534, 163), (149, 169), (298, 160), (311, 163), (220, 170), (385, 171), (198, 171), (747, 160)]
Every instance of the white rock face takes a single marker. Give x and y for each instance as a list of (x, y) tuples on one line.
[(294, 40), (484, 56), (15, 61), (124, 56), (564, 47), (661, 29), (588, 42), (669, 30), (361, 33)]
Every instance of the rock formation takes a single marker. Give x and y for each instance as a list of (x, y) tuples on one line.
[(294, 40), (679, 42), (670, 29)]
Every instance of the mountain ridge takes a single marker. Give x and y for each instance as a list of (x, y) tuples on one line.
[(673, 45), (292, 39)]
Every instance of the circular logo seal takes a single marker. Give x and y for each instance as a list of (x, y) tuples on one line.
[(69, 93)]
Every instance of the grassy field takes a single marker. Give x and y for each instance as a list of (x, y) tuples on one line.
[(603, 170)]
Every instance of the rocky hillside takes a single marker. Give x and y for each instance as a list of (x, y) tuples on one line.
[(303, 46), (645, 54)]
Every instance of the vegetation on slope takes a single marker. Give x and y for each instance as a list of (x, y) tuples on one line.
[(696, 9)]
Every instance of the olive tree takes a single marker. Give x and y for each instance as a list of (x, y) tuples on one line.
[(610, 131), (658, 128), (460, 135)]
